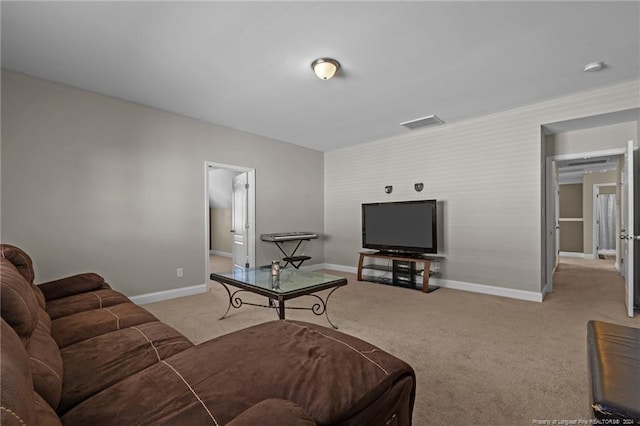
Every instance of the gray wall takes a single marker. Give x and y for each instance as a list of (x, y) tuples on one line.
[(571, 231), (488, 173), (570, 200), (571, 237), (93, 183)]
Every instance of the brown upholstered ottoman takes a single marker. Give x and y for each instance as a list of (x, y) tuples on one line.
[(614, 368), (335, 378)]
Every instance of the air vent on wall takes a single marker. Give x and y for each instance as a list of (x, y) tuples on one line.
[(430, 120), (587, 162)]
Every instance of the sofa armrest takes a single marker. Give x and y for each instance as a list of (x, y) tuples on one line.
[(273, 412), (75, 284)]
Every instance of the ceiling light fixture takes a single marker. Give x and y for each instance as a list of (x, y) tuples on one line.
[(593, 66), (325, 68)]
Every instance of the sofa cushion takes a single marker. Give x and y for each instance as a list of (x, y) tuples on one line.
[(273, 412), (46, 365), (44, 319), (45, 415), (84, 302), (84, 325), (332, 376), (17, 406), (99, 362), (19, 403), (18, 302)]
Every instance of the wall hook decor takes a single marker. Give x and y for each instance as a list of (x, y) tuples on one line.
[(388, 189), (418, 186)]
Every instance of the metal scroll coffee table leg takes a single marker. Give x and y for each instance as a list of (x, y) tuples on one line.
[(317, 308), (236, 302)]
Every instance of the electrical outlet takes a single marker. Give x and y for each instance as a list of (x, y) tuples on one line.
[(179, 272)]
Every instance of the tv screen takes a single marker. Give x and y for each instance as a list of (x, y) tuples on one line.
[(405, 226)]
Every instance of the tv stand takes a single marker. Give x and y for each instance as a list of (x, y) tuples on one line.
[(403, 268)]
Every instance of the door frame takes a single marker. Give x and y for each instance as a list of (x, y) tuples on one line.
[(251, 210), (551, 215), (627, 203)]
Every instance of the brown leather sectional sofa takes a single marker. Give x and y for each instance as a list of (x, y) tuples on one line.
[(75, 351)]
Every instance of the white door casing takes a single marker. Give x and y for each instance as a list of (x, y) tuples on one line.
[(552, 184), (250, 241), (553, 224), (627, 233)]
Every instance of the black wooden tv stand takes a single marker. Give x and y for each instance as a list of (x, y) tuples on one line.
[(403, 268)]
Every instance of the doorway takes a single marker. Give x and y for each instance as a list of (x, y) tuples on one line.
[(606, 221), (229, 217), (580, 174)]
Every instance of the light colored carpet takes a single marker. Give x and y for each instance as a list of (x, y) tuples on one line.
[(479, 359)]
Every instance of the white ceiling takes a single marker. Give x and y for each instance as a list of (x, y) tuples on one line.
[(246, 65)]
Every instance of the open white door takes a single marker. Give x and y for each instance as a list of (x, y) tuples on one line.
[(240, 221), (553, 225), (556, 204), (627, 233)]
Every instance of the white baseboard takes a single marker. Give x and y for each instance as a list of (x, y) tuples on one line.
[(315, 267), (168, 294), (575, 254), (341, 268), (531, 296), (220, 253)]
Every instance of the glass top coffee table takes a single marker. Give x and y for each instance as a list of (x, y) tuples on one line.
[(291, 284)]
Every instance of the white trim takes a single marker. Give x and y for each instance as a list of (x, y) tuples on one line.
[(551, 243), (158, 296), (574, 254), (315, 267), (603, 153), (341, 268), (221, 253), (531, 296), (607, 252)]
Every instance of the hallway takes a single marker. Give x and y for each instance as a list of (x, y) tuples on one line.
[(219, 263), (588, 284)]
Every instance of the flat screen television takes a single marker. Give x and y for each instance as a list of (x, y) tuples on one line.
[(403, 227)]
